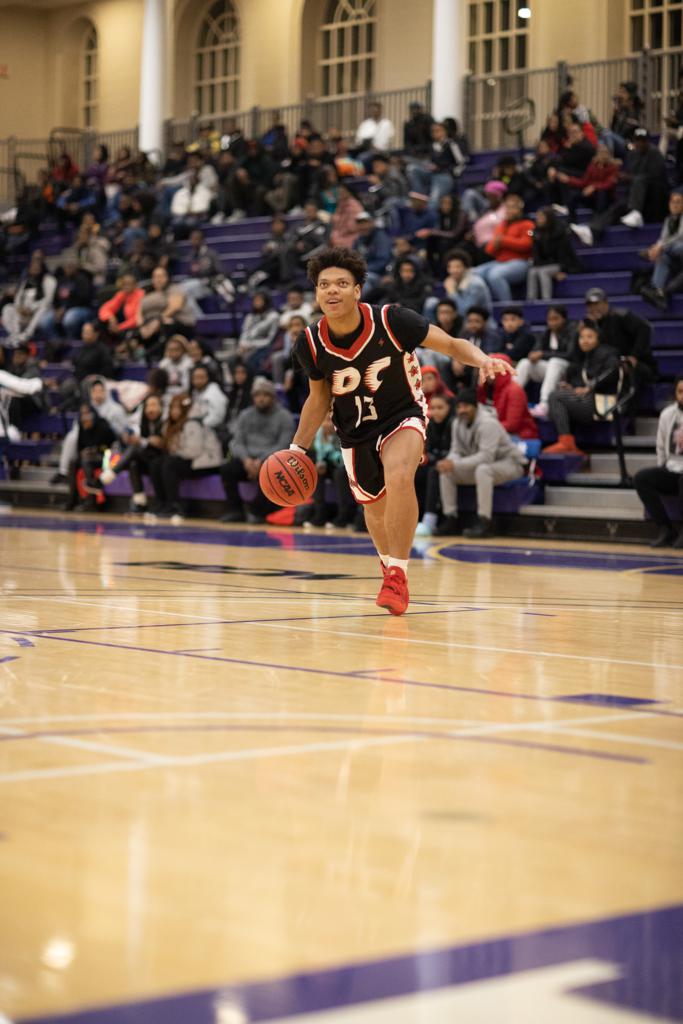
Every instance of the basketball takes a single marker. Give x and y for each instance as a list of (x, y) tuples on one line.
[(288, 478)]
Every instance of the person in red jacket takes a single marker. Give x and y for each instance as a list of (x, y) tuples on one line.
[(433, 386), (120, 313), (596, 187), (509, 249), (510, 403)]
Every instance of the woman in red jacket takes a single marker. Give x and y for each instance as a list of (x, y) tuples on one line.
[(510, 403), (597, 185), (509, 249), (120, 314)]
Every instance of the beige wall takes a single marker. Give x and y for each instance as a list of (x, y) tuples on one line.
[(23, 46), (405, 43)]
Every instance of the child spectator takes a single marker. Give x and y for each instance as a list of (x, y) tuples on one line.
[(177, 364), (509, 249), (482, 454), (509, 401), (587, 374), (547, 361), (437, 447), (666, 478), (189, 450), (552, 255), (517, 339)]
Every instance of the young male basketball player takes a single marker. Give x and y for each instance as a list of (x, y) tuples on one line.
[(361, 359)]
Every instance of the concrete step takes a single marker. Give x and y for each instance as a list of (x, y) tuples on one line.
[(594, 497), (582, 512), (606, 462), (646, 426), (591, 479), (32, 487), (641, 442)]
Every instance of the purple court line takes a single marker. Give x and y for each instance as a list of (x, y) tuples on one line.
[(247, 622), (327, 729)]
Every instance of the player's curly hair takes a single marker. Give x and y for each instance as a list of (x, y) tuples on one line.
[(346, 259)]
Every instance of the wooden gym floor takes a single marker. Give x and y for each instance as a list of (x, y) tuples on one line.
[(233, 790)]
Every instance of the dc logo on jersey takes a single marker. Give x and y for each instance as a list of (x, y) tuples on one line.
[(348, 379)]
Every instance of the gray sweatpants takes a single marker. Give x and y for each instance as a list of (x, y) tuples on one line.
[(484, 476)]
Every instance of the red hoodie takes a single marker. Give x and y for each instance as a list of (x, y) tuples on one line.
[(515, 240), (440, 388), (509, 400), (600, 176)]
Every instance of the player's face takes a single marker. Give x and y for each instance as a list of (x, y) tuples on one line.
[(337, 293)]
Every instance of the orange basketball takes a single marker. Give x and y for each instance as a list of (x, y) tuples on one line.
[(288, 478)]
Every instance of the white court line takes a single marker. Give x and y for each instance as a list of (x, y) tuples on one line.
[(597, 734), (296, 628), (157, 716), (196, 760), (91, 745)]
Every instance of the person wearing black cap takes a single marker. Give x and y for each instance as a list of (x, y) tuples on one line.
[(481, 454), (627, 333)]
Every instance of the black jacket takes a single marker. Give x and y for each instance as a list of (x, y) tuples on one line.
[(93, 359), (566, 340), (575, 159), (628, 334), (554, 246), (438, 442), (517, 345), (587, 367), (417, 135)]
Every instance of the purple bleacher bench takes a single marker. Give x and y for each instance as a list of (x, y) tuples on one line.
[(556, 468), (507, 498), (203, 488)]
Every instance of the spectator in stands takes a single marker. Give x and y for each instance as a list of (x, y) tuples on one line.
[(274, 140), (120, 313), (478, 331), (509, 249), (433, 386), (548, 359), (346, 165), (437, 447), (239, 393), (444, 164), (163, 312), (452, 228), (74, 201), (296, 305), (190, 205), (593, 370), (35, 203), (666, 254), (627, 333), (177, 364), (553, 133), (32, 300), (258, 331), (72, 302), (275, 265), (387, 187), (22, 406), (93, 358), (597, 186), (465, 288), (374, 245), (509, 401), (570, 109), (627, 117), (63, 171), (124, 163), (95, 176), (253, 178), (672, 130), (190, 450), (517, 338), (209, 401), (374, 134), (482, 454), (417, 134), (259, 431), (409, 287), (645, 171), (92, 251), (330, 466), (12, 387), (95, 396), (93, 436), (344, 219), (485, 226), (666, 478), (571, 162), (552, 255), (145, 446), (306, 238), (205, 267), (201, 355), (281, 360), (415, 217)]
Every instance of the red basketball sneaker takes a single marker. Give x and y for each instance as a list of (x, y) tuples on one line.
[(394, 594)]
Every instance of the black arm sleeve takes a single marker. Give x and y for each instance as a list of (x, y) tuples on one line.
[(302, 355), (410, 328)]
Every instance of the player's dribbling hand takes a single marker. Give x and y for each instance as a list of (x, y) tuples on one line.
[(490, 369)]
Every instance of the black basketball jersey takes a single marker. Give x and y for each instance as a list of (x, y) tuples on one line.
[(373, 373)]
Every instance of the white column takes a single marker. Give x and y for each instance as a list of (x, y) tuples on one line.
[(447, 67), (152, 67)]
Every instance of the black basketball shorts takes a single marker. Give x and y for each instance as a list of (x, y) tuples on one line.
[(364, 462)]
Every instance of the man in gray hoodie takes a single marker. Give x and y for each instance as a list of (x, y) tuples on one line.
[(666, 478), (481, 454), (260, 430)]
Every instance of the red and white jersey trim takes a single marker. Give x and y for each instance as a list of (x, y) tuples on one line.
[(387, 328)]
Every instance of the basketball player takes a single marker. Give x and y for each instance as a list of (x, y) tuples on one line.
[(361, 359)]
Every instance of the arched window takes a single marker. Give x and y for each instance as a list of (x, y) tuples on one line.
[(89, 78), (347, 63), (217, 60)]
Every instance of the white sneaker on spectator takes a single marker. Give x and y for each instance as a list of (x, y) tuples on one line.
[(582, 232), (236, 215), (540, 410), (177, 520), (561, 211), (218, 218), (633, 219), (422, 530)]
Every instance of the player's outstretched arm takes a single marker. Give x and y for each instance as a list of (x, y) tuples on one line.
[(313, 413), (465, 352)]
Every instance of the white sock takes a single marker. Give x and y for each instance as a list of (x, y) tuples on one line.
[(398, 563), (430, 519), (140, 498), (384, 559)]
